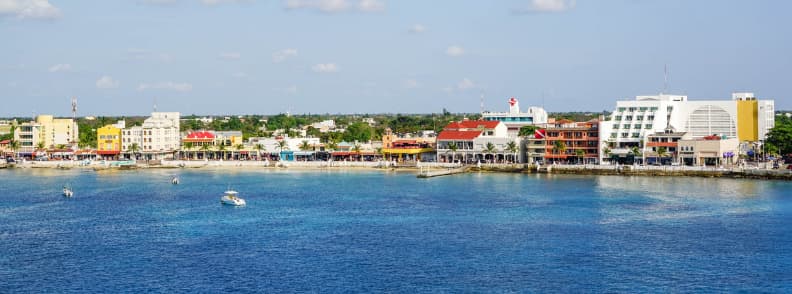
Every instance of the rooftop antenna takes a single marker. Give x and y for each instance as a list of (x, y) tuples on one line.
[(155, 104), (482, 101), (665, 78), (74, 107)]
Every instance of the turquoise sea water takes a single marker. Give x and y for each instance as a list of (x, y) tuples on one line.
[(337, 231)]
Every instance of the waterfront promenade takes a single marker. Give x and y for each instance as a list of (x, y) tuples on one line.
[(581, 169)]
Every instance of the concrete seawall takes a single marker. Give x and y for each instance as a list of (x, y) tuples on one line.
[(652, 171)]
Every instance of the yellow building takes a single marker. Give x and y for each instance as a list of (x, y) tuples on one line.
[(748, 120), (108, 141), (56, 131), (399, 149)]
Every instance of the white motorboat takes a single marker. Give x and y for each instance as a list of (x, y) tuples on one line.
[(231, 198), (67, 192), (175, 180)]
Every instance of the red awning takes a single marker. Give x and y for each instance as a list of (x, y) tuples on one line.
[(108, 152)]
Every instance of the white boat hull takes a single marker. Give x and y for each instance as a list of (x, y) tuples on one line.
[(236, 201)]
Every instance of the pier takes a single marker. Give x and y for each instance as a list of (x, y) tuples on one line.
[(428, 173)]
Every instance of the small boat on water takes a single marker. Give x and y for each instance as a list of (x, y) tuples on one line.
[(175, 180), (231, 198), (67, 192)]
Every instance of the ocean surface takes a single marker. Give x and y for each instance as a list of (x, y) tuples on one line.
[(362, 231)]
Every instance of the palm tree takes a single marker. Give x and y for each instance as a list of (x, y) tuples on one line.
[(607, 152), (356, 149), (239, 147), (560, 147), (490, 148), (512, 148), (14, 145), (282, 146), (205, 148), (40, 145), (222, 150), (134, 149), (661, 152), (188, 146), (258, 148), (580, 153), (305, 146), (453, 147), (332, 145), (60, 146), (635, 151)]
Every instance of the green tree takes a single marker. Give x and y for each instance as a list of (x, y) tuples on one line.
[(780, 137), (356, 149), (10, 135), (14, 145), (358, 132), (134, 149), (512, 148), (258, 148), (526, 131), (239, 148), (205, 149), (453, 147), (489, 149), (580, 153), (222, 149), (661, 152), (305, 146), (559, 147), (282, 146)]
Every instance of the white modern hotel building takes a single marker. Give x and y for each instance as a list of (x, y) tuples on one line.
[(632, 121)]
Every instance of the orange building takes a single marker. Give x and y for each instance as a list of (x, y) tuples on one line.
[(572, 142)]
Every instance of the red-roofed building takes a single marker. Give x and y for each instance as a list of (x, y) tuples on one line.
[(199, 138), (472, 138), (5, 148)]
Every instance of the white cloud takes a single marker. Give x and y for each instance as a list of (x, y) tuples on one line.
[(455, 51), (60, 67), (325, 68), (179, 87), (106, 82), (371, 5), (240, 75), (230, 55), (335, 6), (411, 83), (548, 6), (291, 90), (283, 55), (417, 29), (465, 84), (29, 9)]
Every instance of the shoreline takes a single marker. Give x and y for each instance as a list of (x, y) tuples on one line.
[(649, 171)]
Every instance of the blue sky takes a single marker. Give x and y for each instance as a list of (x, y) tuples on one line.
[(377, 56)]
